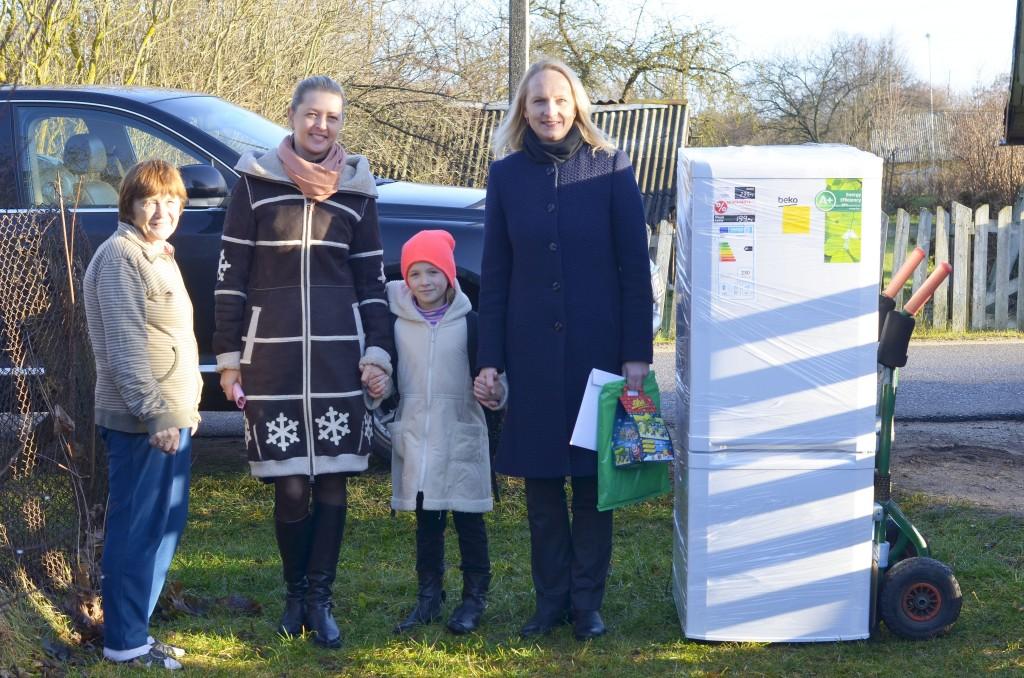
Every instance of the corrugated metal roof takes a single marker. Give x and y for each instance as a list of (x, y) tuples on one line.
[(651, 134), (908, 138)]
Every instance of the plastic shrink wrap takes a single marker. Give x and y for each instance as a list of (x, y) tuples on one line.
[(777, 270)]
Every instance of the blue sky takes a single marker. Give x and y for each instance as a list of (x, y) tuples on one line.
[(971, 41)]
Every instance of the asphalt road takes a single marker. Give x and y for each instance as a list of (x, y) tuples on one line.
[(944, 381), (962, 382)]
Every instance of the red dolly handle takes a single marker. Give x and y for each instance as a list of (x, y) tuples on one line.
[(928, 288), (906, 270)]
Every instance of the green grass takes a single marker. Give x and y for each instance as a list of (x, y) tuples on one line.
[(921, 331), (229, 549)]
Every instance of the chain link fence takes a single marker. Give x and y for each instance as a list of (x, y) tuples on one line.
[(52, 471)]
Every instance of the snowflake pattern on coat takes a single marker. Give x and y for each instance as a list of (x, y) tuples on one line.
[(222, 267), (282, 431), (333, 426), (367, 431)]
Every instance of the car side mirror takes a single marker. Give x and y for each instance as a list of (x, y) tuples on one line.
[(204, 185)]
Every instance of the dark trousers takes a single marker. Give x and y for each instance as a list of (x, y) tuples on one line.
[(570, 560), (430, 526), (146, 511)]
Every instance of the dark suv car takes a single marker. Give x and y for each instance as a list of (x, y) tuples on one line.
[(86, 138)]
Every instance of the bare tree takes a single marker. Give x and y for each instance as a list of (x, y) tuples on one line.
[(979, 170), (414, 72), (829, 94), (731, 121), (653, 59)]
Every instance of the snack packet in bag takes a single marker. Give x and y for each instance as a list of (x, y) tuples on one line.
[(640, 434)]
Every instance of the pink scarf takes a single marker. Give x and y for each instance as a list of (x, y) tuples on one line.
[(317, 180)]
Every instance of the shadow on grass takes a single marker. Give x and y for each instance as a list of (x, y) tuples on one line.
[(229, 548)]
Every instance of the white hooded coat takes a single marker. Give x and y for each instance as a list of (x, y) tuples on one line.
[(439, 436)]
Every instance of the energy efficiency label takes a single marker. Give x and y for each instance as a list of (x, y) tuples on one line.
[(734, 222)]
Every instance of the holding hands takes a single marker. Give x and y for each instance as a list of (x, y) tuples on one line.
[(375, 380), (488, 389)]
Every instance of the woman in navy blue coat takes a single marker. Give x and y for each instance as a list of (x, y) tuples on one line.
[(565, 288)]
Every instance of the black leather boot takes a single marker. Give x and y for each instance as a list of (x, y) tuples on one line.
[(544, 621), (293, 543), (466, 617), (328, 530), (428, 601), (587, 624)]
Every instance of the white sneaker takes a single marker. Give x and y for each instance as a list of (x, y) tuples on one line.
[(167, 648), (154, 659)]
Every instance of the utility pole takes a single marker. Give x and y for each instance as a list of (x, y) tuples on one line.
[(518, 43), (931, 114)]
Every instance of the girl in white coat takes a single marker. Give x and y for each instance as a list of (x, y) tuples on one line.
[(440, 460)]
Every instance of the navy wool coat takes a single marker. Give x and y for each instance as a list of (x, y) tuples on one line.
[(565, 288)]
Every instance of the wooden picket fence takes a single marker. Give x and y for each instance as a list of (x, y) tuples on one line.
[(986, 255), (986, 287)]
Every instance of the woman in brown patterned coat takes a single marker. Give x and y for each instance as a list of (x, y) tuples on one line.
[(301, 321)]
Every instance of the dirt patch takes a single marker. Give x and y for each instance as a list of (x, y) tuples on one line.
[(981, 463)]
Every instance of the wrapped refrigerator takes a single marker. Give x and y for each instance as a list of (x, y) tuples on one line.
[(777, 273)]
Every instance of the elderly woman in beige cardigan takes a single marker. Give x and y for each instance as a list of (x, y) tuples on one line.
[(147, 405)]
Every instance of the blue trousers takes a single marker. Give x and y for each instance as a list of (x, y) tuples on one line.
[(146, 511)]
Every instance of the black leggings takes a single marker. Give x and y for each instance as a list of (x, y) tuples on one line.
[(292, 493), (430, 527)]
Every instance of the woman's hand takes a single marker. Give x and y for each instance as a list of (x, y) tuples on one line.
[(487, 388), (375, 380), (166, 440), (635, 372), (488, 376), (228, 379)]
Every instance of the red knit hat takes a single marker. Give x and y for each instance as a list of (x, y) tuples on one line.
[(434, 247)]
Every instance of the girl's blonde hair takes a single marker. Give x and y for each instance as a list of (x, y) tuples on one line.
[(508, 138)]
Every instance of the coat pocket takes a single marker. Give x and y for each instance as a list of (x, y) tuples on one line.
[(470, 471), (249, 340), (469, 443), (174, 366)]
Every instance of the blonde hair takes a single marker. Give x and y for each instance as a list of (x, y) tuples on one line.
[(508, 138), (318, 83)]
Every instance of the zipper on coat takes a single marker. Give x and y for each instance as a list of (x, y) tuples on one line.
[(307, 404), (430, 392)]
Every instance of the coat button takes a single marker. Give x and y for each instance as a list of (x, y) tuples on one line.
[(558, 326), (550, 171), (556, 286), (553, 246), (551, 207)]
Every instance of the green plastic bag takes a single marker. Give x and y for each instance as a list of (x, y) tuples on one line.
[(625, 485)]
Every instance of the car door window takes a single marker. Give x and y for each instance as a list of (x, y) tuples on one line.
[(148, 146), (80, 155)]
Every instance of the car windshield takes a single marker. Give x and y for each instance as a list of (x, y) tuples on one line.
[(237, 127)]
